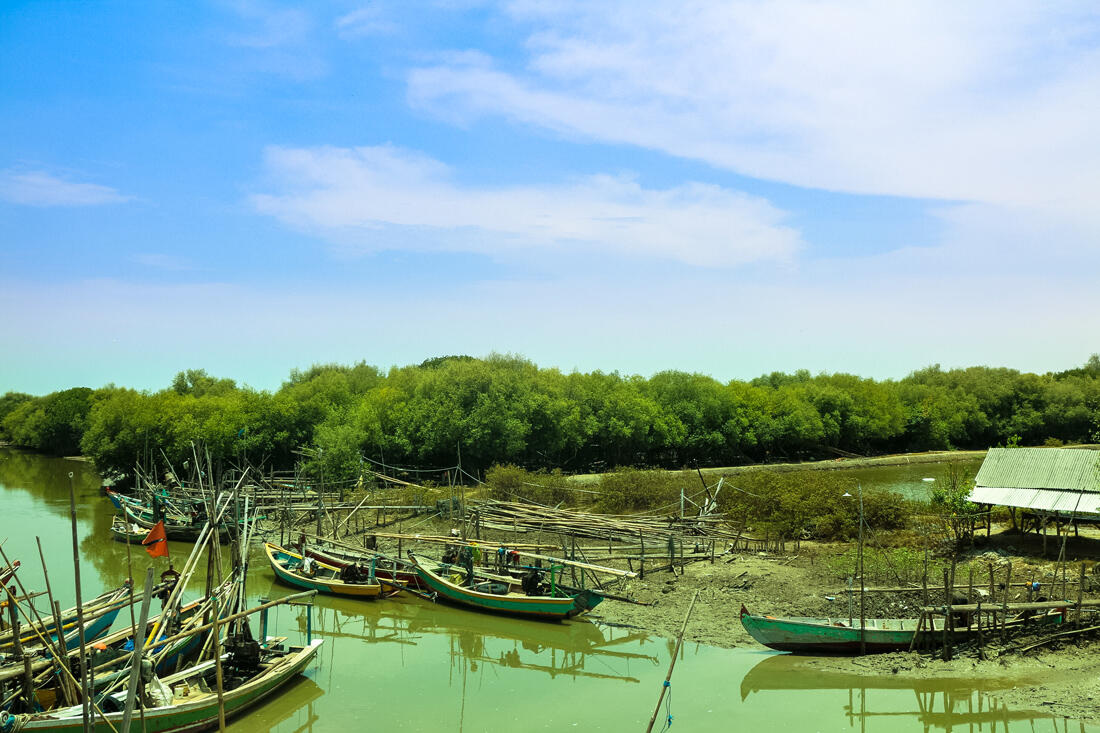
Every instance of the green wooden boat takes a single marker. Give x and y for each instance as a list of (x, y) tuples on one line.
[(194, 703), (328, 579), (447, 581), (828, 636), (835, 636)]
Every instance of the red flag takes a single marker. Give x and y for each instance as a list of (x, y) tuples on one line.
[(156, 543)]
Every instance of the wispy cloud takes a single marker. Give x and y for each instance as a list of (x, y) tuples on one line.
[(379, 198), (368, 20), (162, 261), (38, 188), (990, 101), (271, 39), (267, 26)]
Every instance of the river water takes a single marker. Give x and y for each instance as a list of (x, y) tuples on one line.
[(409, 665)]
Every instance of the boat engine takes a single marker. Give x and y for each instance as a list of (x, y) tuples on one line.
[(244, 658)]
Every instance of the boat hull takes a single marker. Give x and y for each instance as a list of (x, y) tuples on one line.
[(200, 715), (807, 636), (280, 564), (539, 607)]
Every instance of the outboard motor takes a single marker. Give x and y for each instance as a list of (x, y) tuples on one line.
[(244, 657)]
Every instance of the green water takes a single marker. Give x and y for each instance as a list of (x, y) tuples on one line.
[(912, 480), (408, 665)]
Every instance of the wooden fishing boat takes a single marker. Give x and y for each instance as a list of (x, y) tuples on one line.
[(179, 526), (323, 578), (384, 567), (492, 597), (8, 573), (112, 653), (99, 614), (128, 532), (194, 701), (829, 636), (834, 636), (174, 529)]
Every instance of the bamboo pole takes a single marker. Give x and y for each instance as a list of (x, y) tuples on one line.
[(947, 616), (85, 697), (215, 552), (1080, 593), (238, 615), (672, 663), (66, 693), (135, 664), (17, 650)]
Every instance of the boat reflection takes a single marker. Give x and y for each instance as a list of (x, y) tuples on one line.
[(939, 704), (568, 648), (294, 706)]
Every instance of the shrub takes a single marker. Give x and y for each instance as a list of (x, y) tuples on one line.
[(512, 483), (813, 504), (633, 490)]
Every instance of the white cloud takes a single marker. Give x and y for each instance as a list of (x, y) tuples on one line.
[(378, 198), (38, 188), (989, 102)]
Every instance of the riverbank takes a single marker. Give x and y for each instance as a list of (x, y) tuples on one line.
[(833, 464), (1062, 679)]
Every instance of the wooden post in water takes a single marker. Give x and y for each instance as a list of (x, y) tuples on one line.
[(641, 557), (1004, 609), (85, 698)]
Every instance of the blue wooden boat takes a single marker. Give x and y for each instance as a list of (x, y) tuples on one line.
[(100, 613)]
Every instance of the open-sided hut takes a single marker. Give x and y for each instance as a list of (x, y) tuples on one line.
[(1047, 484)]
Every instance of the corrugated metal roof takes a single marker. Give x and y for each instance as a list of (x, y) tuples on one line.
[(1044, 500), (1074, 469)]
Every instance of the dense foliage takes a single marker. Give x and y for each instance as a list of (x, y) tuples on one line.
[(506, 410), (791, 505)]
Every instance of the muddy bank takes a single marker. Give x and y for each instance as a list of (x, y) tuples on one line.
[(1063, 679)]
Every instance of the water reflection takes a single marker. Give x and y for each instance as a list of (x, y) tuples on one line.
[(576, 648), (296, 712), (873, 700)]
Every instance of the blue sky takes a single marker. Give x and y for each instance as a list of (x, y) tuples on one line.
[(730, 188)]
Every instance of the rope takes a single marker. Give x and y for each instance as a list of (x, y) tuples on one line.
[(668, 707), (408, 470)]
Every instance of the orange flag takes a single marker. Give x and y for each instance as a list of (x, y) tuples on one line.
[(156, 544)]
